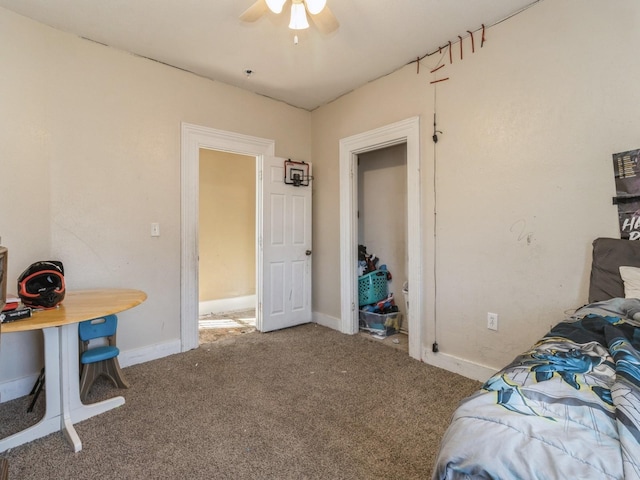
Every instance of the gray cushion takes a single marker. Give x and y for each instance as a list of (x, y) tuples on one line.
[(608, 255)]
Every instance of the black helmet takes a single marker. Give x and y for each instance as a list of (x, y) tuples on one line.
[(42, 284)]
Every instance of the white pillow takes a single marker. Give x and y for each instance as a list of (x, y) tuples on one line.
[(631, 279)]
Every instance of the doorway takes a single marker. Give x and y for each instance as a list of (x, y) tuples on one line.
[(227, 244), (194, 138), (406, 131), (382, 227)]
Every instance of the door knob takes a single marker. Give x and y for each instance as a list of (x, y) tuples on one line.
[(307, 253)]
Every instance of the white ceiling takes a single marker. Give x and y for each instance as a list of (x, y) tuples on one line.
[(207, 38)]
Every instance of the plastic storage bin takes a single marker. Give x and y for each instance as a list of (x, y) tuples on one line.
[(380, 323), (372, 287), (405, 293)]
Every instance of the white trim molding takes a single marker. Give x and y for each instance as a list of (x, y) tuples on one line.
[(327, 321), (193, 138), (227, 304), (458, 365), (405, 131), (22, 386)]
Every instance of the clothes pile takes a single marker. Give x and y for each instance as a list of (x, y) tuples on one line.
[(378, 310), (368, 263)]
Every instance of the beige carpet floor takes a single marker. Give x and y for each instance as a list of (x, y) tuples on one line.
[(302, 403)]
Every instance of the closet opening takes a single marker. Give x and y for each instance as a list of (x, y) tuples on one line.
[(406, 132), (382, 245)]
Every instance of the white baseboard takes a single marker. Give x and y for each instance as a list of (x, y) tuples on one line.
[(22, 386), (17, 388), (445, 361), (326, 321), (149, 352), (227, 304), (458, 365)]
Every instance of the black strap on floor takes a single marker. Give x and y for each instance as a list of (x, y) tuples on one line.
[(35, 391)]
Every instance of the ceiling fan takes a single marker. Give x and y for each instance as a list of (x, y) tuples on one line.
[(322, 17)]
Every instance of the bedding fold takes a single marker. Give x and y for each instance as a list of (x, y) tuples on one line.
[(567, 408)]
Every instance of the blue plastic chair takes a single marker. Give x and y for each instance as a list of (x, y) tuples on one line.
[(102, 359)]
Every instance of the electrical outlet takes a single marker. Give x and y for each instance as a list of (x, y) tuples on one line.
[(492, 321)]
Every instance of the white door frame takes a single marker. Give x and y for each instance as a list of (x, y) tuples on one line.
[(193, 138), (406, 131)]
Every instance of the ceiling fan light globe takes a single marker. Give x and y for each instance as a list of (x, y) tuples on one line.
[(275, 5), (315, 6), (298, 17)]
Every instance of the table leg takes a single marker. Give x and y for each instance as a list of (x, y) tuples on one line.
[(68, 372), (51, 421), (78, 410)]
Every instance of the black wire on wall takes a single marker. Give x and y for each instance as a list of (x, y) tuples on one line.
[(443, 50)]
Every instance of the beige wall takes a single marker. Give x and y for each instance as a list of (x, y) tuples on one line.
[(227, 225), (91, 138), (524, 172)]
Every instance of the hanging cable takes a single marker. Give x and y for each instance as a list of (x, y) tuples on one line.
[(434, 347)]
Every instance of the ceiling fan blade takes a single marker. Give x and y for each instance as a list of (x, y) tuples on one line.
[(254, 12), (325, 20)]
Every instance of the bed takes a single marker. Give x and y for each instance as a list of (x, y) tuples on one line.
[(568, 408)]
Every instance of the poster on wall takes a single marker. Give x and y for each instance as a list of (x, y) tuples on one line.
[(626, 167)]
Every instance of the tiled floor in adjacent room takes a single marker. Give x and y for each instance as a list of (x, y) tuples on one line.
[(213, 326)]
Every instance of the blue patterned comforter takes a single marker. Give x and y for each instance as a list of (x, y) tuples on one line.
[(569, 408)]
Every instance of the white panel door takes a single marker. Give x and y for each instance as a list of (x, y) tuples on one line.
[(284, 266)]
